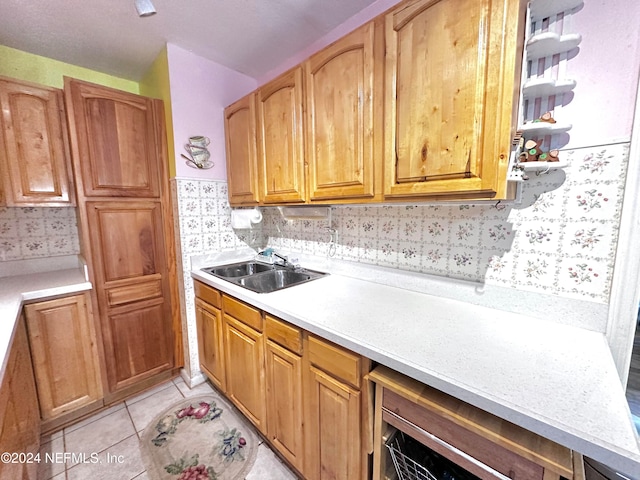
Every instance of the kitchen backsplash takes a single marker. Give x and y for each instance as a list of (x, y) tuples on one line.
[(28, 232)]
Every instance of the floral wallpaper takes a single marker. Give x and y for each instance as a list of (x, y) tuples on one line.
[(560, 240), (29, 232)]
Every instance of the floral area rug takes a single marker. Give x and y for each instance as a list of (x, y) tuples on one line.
[(200, 438)]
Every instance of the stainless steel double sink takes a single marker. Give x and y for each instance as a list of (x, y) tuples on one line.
[(262, 277)]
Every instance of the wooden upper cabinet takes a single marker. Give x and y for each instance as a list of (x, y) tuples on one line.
[(34, 153), (280, 139), (240, 136), (339, 89), (452, 79), (116, 140)]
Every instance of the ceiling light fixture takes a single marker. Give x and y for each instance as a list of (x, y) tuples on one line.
[(145, 8)]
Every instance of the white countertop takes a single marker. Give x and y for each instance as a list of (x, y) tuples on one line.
[(556, 380), (15, 290)]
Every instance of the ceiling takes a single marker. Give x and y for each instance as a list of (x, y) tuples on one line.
[(249, 36)]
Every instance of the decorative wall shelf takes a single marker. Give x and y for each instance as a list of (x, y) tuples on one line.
[(545, 56), (544, 87), (544, 8), (549, 43), (544, 128)]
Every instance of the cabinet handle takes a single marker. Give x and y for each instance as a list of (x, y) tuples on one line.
[(449, 447)]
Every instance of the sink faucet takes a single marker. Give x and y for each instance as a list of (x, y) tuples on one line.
[(284, 261)]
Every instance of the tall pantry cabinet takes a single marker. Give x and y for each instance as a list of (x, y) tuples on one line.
[(120, 159)]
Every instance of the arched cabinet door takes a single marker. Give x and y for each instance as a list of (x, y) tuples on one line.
[(451, 85), (240, 137), (339, 88), (35, 164), (116, 140), (280, 139)]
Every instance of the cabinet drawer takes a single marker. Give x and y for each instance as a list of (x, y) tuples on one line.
[(206, 293), (283, 334), (335, 360), (243, 312)]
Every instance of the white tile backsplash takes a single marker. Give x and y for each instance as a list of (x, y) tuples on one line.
[(30, 232)]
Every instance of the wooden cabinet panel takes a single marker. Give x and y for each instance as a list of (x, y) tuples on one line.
[(240, 135), (129, 238), (340, 117), (207, 294), (117, 140), (34, 153), (284, 402), (20, 416), (280, 139), (284, 334), (244, 361), (451, 85), (332, 436), (247, 314), (64, 353), (138, 344), (210, 342), (342, 364), (129, 256)]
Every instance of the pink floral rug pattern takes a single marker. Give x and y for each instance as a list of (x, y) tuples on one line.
[(200, 438)]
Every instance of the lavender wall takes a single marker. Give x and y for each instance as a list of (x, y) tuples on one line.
[(200, 90), (606, 69)]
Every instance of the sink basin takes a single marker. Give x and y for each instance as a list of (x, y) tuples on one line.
[(277, 280), (238, 269), (263, 278)]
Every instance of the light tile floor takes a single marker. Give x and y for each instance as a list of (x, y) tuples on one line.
[(114, 433)]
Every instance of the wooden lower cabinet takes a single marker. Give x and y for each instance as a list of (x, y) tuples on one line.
[(65, 358), (308, 396), (336, 434), (20, 417), (209, 327), (244, 352), (284, 402)]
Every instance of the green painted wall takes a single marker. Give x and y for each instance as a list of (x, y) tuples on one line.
[(155, 83), (46, 71)]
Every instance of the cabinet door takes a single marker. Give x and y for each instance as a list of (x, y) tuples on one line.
[(35, 157), (284, 402), (244, 351), (132, 287), (116, 141), (240, 135), (210, 346), (19, 414), (340, 117), (280, 141), (332, 436), (65, 357), (450, 92)]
